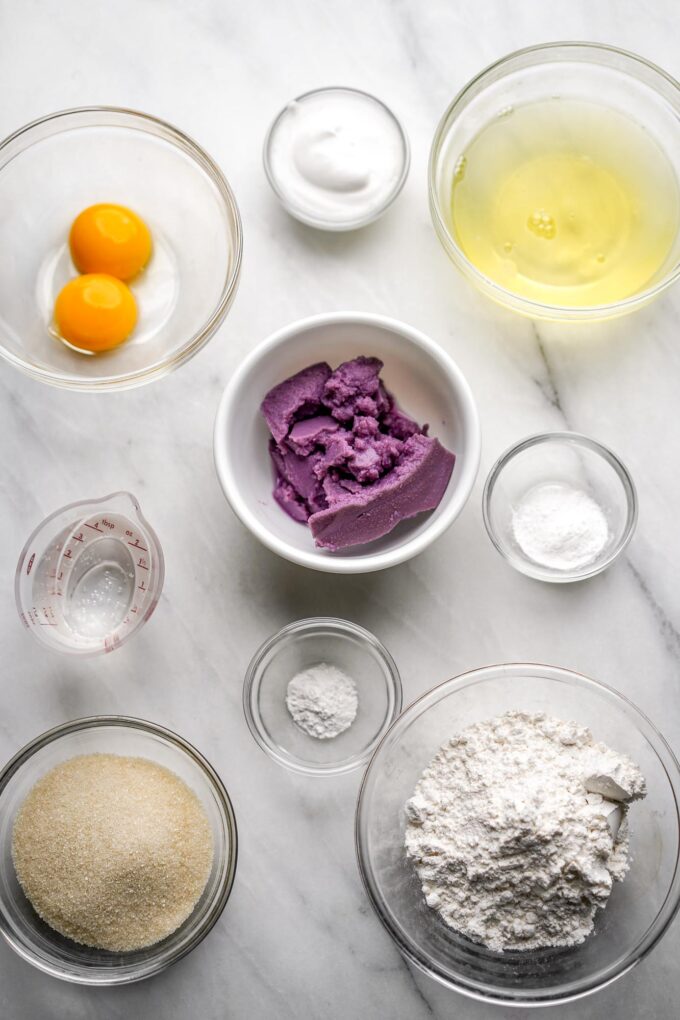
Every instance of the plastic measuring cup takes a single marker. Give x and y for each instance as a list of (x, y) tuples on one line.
[(90, 575)]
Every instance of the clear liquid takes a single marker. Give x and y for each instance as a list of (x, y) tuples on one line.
[(100, 589), (566, 202)]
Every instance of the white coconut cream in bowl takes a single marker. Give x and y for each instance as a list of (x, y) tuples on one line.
[(336, 158)]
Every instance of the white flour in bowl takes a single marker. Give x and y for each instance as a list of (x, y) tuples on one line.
[(517, 828)]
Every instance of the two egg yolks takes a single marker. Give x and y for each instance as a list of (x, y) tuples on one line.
[(109, 245)]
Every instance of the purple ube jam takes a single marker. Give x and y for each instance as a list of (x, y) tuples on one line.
[(347, 460)]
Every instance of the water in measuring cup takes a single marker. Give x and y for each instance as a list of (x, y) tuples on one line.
[(99, 590)]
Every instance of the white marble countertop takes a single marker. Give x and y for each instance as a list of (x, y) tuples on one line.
[(298, 938)]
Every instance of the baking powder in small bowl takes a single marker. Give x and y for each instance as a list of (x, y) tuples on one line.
[(322, 701)]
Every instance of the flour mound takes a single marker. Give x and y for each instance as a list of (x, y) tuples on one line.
[(518, 829)]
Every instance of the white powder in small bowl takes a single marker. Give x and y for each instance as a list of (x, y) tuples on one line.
[(112, 851), (322, 701), (559, 526)]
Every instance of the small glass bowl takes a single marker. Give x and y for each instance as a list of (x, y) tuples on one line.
[(106, 154), (27, 933), (640, 908), (571, 70), (303, 644), (303, 215), (571, 459)]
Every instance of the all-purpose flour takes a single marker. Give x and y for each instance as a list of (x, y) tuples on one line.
[(518, 828)]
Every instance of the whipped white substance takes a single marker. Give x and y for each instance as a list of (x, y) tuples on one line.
[(337, 157), (518, 830)]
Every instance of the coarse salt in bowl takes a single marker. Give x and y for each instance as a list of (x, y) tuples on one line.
[(426, 383), (569, 465)]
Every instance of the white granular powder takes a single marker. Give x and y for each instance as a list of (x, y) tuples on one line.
[(322, 700), (518, 828), (559, 526), (113, 852)]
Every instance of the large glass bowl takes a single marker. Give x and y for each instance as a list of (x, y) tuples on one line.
[(27, 933), (640, 908), (54, 168), (614, 78)]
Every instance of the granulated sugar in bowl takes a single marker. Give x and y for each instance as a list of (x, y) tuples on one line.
[(118, 850), (112, 851)]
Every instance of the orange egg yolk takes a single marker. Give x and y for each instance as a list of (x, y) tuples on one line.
[(110, 239), (95, 312)]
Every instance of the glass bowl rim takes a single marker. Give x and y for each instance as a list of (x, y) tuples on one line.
[(669, 763), (333, 225), (228, 870), (299, 628), (505, 297), (183, 142), (573, 439)]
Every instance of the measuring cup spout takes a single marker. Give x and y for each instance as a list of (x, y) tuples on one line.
[(122, 501)]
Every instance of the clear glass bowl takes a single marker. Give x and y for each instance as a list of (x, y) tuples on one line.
[(568, 458), (27, 933), (303, 644), (640, 908), (619, 80), (105, 154)]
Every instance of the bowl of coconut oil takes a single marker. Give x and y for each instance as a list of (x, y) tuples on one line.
[(555, 181)]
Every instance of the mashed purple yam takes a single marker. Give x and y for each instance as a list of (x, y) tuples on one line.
[(355, 389), (294, 399), (417, 482), (348, 461)]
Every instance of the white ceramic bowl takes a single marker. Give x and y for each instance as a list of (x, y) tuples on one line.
[(425, 381)]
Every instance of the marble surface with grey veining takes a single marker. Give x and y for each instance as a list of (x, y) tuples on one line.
[(298, 938)]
